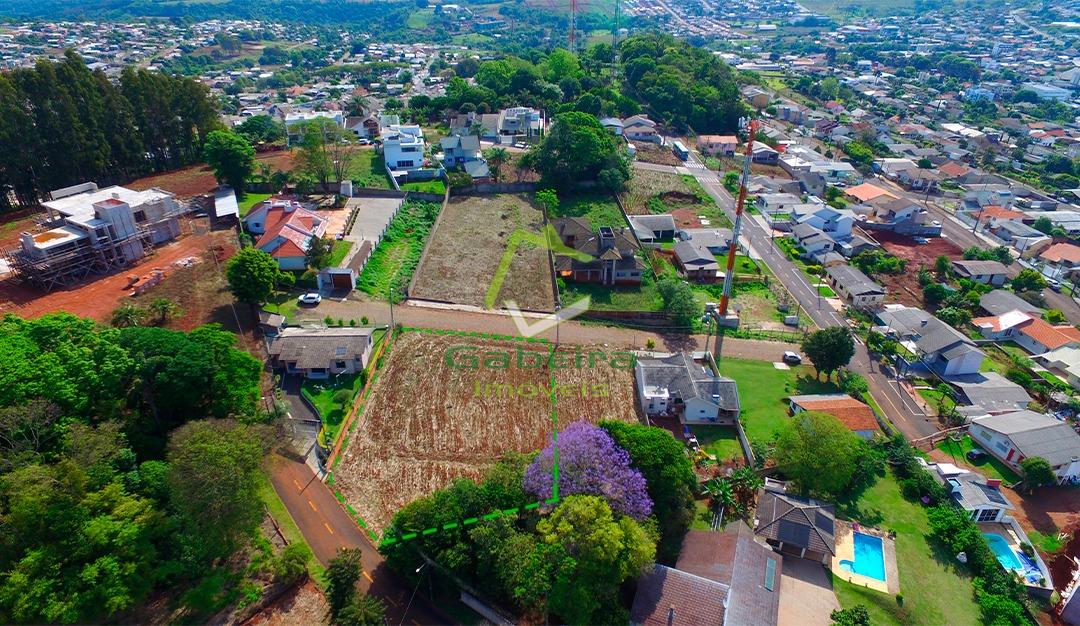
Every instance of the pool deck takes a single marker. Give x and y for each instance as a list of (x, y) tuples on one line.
[(845, 551), (1013, 540)]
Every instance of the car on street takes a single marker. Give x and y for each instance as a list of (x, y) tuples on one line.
[(310, 298), (792, 358), (1053, 285)]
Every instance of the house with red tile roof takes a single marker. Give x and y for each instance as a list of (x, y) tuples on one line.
[(1032, 333), (1060, 259), (952, 169), (284, 230), (857, 416), (867, 192)]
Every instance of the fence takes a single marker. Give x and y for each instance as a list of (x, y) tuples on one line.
[(493, 188)]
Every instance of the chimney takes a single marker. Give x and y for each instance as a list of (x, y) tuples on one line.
[(671, 615), (993, 483), (607, 237)]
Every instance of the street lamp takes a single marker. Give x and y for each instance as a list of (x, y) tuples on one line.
[(415, 589)]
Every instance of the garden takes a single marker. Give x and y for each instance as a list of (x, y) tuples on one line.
[(599, 208), (394, 260), (333, 398)]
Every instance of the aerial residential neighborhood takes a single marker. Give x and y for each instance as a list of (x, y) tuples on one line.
[(648, 312)]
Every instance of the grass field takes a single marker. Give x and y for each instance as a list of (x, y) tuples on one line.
[(369, 169), (321, 394), (470, 252), (395, 259), (420, 20), (249, 202), (762, 390), (340, 251), (599, 208), (426, 186), (989, 465), (934, 591), (721, 441), (626, 298)]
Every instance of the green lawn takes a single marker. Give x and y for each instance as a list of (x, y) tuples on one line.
[(762, 389), (934, 591), (825, 291), (250, 200), (321, 394), (599, 208), (420, 20), (282, 303), (720, 441), (989, 465), (426, 186), (369, 169), (707, 207), (643, 298), (340, 251), (702, 519), (397, 255)]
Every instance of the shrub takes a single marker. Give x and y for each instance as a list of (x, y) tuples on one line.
[(364, 321), (342, 396), (352, 322), (329, 321)]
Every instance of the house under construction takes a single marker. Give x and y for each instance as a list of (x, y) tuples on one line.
[(93, 231)]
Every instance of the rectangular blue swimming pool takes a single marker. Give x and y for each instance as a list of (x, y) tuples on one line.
[(869, 557)]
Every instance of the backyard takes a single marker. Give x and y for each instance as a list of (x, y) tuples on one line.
[(719, 441), (369, 169), (599, 208), (681, 195), (249, 202), (934, 590), (988, 465), (763, 389), (483, 241), (395, 259), (426, 186)]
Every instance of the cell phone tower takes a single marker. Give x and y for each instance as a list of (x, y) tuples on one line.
[(739, 206)]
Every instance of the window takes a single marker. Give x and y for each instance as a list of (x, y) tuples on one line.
[(340, 365), (987, 515), (140, 216)]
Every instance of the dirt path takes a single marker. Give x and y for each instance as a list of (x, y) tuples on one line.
[(569, 332)]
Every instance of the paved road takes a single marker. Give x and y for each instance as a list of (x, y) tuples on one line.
[(328, 528), (895, 402)]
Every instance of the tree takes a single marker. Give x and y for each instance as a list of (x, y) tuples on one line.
[(934, 294), (127, 315), (670, 477), (818, 453), (590, 463), (1054, 316), (1043, 225), (829, 349), (496, 158), (1037, 472), (163, 309), (342, 574), (231, 157), (679, 301), (578, 148), (213, 467), (605, 550), (854, 616), (943, 267), (292, 564), (549, 200), (1028, 280), (319, 252), (261, 129), (253, 274), (363, 610), (326, 151)]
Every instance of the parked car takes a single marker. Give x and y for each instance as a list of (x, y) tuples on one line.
[(975, 454), (792, 358), (922, 241), (936, 223), (310, 298), (1053, 285)]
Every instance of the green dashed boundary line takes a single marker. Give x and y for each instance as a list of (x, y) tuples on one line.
[(389, 541)]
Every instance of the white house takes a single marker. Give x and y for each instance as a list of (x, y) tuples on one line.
[(403, 147), (854, 287), (979, 496), (1013, 437), (641, 128), (717, 145), (1031, 332), (1060, 260), (836, 223), (680, 385), (812, 240), (1064, 362)]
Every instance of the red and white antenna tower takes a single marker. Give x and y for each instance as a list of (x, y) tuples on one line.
[(572, 36)]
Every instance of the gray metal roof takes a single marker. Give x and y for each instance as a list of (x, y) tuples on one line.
[(991, 391), (972, 492), (937, 336), (1035, 434), (692, 253), (857, 283), (1000, 302), (906, 321), (979, 268), (655, 223), (685, 379), (803, 522)]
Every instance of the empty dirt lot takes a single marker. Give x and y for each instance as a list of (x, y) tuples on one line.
[(467, 247), (428, 422), (904, 288), (199, 179)]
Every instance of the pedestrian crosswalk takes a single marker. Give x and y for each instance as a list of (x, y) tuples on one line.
[(694, 165)]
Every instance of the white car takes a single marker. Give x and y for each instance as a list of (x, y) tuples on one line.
[(792, 358), (310, 297)]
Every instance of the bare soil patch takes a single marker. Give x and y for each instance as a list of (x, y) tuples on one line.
[(428, 423), (199, 179), (655, 153), (304, 604), (904, 288), (466, 249)]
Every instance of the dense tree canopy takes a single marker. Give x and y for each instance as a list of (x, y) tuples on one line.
[(682, 85), (818, 452), (62, 124), (232, 158), (577, 149)]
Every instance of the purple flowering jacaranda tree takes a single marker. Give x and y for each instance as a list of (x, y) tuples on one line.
[(590, 463)]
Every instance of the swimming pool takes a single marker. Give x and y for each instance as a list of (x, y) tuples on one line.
[(1005, 555), (869, 557)]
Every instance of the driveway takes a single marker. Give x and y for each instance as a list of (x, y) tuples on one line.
[(806, 595)]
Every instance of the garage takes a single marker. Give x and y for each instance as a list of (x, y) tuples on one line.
[(337, 279)]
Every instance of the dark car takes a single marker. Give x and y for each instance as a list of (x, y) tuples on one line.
[(975, 455)]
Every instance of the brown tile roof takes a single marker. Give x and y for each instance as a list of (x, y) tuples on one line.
[(851, 413), (1061, 252), (733, 558), (1000, 213), (669, 596), (1050, 336), (954, 169), (866, 192)]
